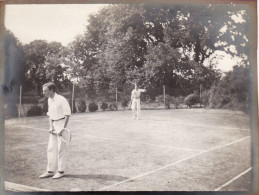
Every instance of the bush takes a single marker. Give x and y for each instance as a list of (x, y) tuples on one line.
[(177, 101), (45, 105), (192, 99), (205, 98), (104, 106), (124, 104), (35, 111), (113, 106), (160, 99), (81, 106), (93, 107)]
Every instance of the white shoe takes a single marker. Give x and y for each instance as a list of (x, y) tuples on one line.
[(58, 175), (46, 174)]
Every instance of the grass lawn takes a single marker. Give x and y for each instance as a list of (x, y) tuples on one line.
[(166, 150)]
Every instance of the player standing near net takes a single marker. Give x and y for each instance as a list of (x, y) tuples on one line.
[(135, 100), (59, 112)]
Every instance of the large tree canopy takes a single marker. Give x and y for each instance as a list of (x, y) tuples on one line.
[(45, 63), (157, 44)]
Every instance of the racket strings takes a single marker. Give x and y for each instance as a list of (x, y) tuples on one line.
[(66, 135)]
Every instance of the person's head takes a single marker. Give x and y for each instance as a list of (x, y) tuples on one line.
[(49, 89), (136, 86)]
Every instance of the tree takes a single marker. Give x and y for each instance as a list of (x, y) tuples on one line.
[(232, 91), (121, 40), (13, 72), (44, 62)]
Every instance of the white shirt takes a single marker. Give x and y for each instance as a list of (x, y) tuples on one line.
[(136, 93), (58, 107)]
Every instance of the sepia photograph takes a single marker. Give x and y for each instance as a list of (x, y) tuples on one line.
[(129, 96)]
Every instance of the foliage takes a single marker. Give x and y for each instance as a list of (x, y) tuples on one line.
[(44, 63), (232, 91), (104, 106), (45, 105), (14, 67), (192, 99), (81, 105), (35, 110), (177, 101), (167, 102), (93, 107), (125, 44), (205, 97), (124, 104), (112, 106)]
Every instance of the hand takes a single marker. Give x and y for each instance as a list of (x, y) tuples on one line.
[(60, 133), (51, 130)]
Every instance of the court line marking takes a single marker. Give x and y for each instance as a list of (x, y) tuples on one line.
[(25, 146), (87, 135), (197, 125), (235, 178), (169, 165), (21, 188)]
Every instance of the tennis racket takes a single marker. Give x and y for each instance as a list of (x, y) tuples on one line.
[(65, 135)]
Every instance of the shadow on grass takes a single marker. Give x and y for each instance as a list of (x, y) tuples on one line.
[(97, 177)]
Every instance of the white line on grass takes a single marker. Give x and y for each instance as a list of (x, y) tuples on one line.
[(196, 125), (29, 145), (235, 178), (87, 135), (21, 188), (174, 163), (208, 126)]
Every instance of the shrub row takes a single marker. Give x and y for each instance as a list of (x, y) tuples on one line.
[(36, 110)]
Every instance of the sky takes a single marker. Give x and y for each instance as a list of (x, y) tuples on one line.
[(61, 23)]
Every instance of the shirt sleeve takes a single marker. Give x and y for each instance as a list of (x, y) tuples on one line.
[(142, 90), (66, 107)]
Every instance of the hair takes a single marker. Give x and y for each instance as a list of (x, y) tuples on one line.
[(51, 86)]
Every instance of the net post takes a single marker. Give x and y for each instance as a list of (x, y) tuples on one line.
[(164, 94), (73, 91), (20, 101)]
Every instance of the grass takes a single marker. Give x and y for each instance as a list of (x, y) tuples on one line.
[(167, 150)]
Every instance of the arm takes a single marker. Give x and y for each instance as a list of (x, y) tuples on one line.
[(66, 120), (142, 90), (66, 112), (51, 128), (65, 123)]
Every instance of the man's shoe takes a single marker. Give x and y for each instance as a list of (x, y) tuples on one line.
[(46, 174), (58, 175)]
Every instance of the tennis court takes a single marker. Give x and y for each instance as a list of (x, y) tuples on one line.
[(166, 150)]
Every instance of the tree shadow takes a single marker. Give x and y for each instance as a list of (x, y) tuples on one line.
[(97, 177)]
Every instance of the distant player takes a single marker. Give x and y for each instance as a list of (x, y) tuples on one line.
[(135, 99), (58, 112)]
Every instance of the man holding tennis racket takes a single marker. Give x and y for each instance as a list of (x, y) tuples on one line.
[(135, 101), (58, 112)]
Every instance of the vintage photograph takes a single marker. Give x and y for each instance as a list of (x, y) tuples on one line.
[(130, 97)]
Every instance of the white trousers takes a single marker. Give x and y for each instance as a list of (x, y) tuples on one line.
[(136, 107), (56, 149)]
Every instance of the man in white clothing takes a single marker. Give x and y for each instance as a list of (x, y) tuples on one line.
[(135, 99), (59, 112)]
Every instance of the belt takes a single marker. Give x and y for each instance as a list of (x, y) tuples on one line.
[(59, 119), (136, 98)]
